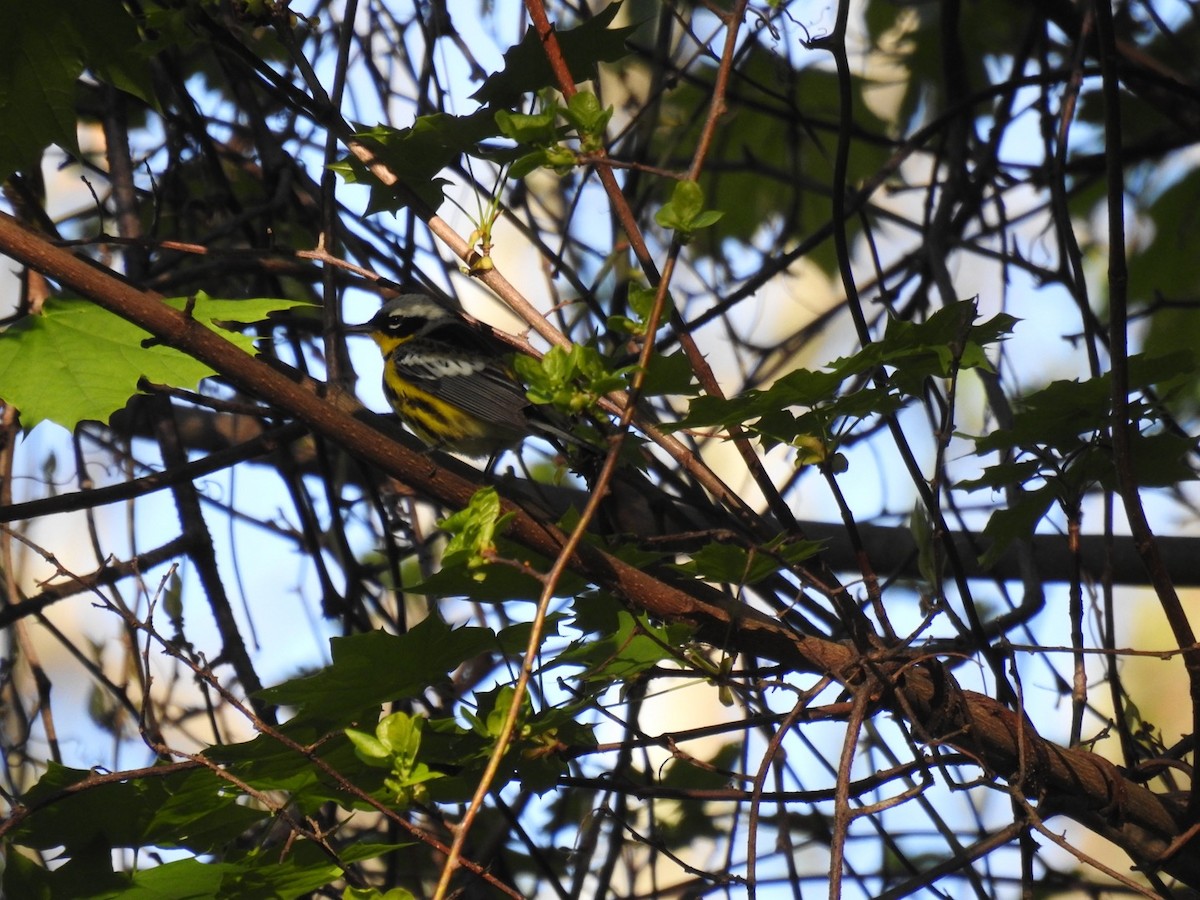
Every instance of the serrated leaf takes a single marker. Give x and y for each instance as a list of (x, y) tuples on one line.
[(375, 668), (1015, 523), (184, 879), (915, 351), (415, 155), (44, 48), (527, 70), (1060, 413), (799, 388), (526, 128), (669, 374), (354, 893), (635, 646), (304, 869), (731, 564), (1054, 416), (79, 361), (495, 584), (1002, 475), (182, 809), (474, 530), (268, 765)]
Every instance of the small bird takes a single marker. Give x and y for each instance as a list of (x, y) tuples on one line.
[(451, 381)]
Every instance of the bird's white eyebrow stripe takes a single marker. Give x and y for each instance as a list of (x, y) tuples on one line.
[(424, 309)]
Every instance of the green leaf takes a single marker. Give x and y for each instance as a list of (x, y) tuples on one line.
[(515, 638), (44, 48), (474, 530), (79, 361), (933, 348), (353, 893), (1154, 269), (526, 69), (732, 564), (182, 879), (1015, 523), (375, 668), (304, 869), (626, 646), (589, 119), (191, 809), (172, 601), (1161, 460), (923, 536), (1146, 369), (798, 388), (704, 219), (416, 155), (1002, 475), (683, 773), (585, 113), (528, 163), (369, 748), (692, 822), (202, 813), (559, 158), (466, 574), (401, 734), (525, 128), (570, 379), (684, 213), (641, 302), (1066, 414), (494, 712), (395, 745), (1054, 416), (494, 584), (25, 878), (268, 765), (671, 374)]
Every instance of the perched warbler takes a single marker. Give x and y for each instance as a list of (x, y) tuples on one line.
[(451, 381)]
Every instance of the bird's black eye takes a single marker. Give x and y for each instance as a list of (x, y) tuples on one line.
[(403, 326)]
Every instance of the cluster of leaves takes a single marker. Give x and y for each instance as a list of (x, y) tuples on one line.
[(418, 153), (584, 118), (883, 377), (1059, 446), (201, 807)]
